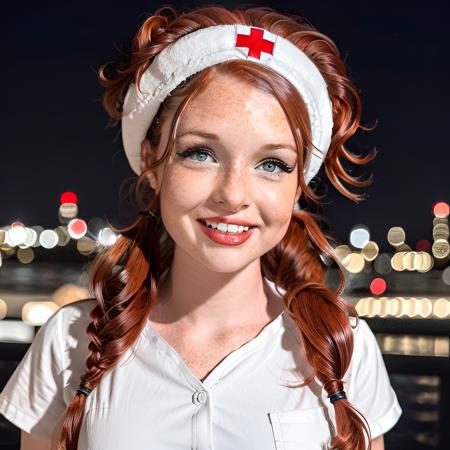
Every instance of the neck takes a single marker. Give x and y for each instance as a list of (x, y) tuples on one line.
[(192, 295)]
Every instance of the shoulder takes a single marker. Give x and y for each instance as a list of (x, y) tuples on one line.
[(36, 395), (363, 335), (366, 356), (68, 324), (72, 313), (76, 310), (365, 345), (359, 326)]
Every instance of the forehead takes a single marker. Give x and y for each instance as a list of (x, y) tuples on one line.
[(228, 103)]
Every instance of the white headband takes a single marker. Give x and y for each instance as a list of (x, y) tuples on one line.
[(212, 45)]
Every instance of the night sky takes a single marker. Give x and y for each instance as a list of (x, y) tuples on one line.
[(55, 136)]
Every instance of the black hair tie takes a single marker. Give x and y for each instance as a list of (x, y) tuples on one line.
[(84, 390), (337, 396)]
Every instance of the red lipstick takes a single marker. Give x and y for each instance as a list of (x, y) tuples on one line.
[(225, 238)]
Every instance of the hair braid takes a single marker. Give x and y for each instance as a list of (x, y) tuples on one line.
[(322, 317), (125, 295)]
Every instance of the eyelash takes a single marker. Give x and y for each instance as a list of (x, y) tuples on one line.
[(201, 150)]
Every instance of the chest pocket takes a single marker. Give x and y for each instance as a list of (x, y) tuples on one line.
[(301, 429)]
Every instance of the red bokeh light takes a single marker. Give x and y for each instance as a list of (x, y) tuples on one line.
[(77, 227), (441, 209), (423, 245), (68, 197), (378, 286)]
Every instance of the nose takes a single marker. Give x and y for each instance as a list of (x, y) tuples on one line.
[(233, 189)]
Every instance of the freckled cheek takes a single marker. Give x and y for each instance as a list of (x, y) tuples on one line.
[(183, 188), (277, 223), (278, 206)]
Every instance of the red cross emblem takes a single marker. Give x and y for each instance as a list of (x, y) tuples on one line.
[(255, 43)]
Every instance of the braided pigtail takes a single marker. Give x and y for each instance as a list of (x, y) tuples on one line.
[(322, 317), (125, 277), (125, 292)]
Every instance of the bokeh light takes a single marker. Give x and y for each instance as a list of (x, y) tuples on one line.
[(48, 239), (441, 209), (378, 286), (76, 228), (359, 236), (68, 197), (37, 313)]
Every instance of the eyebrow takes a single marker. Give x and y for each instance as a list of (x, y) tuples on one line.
[(214, 137)]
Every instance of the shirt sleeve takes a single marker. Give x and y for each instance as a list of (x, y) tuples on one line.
[(368, 387), (33, 397)]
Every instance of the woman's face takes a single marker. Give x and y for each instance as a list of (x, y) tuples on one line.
[(232, 173)]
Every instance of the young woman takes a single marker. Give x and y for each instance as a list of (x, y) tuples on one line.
[(212, 326)]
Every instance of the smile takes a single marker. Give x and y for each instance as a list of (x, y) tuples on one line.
[(226, 227), (226, 234)]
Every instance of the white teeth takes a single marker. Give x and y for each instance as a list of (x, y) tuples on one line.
[(226, 227)]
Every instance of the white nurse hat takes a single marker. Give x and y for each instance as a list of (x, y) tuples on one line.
[(212, 45)]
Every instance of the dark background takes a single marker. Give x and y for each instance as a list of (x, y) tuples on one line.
[(55, 135)]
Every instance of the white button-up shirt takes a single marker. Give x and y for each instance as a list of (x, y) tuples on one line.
[(152, 400)]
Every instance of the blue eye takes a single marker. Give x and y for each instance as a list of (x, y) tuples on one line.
[(204, 153), (280, 164), (195, 151)]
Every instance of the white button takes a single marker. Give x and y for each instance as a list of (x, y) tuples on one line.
[(200, 397)]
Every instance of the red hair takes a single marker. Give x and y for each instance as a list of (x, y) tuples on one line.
[(125, 277)]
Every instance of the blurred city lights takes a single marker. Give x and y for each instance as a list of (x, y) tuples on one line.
[(86, 245), (441, 209), (359, 256), (3, 309), (68, 197), (77, 228), (441, 308), (446, 275), (396, 236), (404, 307), (423, 245), (354, 262), (17, 224), (107, 237), (68, 293), (342, 251), (378, 286), (359, 236), (63, 236), (370, 251), (67, 211), (25, 255), (382, 263), (37, 313), (17, 235), (31, 237), (95, 225), (48, 239)]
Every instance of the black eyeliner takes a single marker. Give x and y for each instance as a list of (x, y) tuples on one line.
[(190, 151)]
